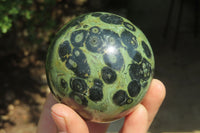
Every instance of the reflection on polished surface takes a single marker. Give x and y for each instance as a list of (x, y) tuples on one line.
[(111, 50)]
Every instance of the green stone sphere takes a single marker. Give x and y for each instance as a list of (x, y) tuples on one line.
[(100, 65)]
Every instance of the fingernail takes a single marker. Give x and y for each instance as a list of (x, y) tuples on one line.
[(60, 122)]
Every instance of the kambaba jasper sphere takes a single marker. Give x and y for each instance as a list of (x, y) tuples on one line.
[(101, 65)]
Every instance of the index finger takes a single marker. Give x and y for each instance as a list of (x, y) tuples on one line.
[(154, 98)]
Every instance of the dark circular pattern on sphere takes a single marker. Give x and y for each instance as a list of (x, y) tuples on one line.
[(64, 84), (100, 65), (134, 88), (78, 37), (120, 98), (98, 82), (94, 43), (78, 64), (79, 56), (111, 38), (108, 75), (95, 30), (140, 71), (129, 26), (78, 98), (78, 85), (64, 49), (63, 87), (96, 92), (111, 19), (114, 61), (129, 39), (137, 57), (146, 49)]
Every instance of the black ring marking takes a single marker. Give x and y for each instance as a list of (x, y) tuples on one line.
[(78, 98), (78, 85), (94, 43), (129, 26), (64, 84), (63, 87), (111, 19), (63, 50), (98, 82), (78, 38), (95, 30), (146, 49), (121, 98), (108, 75), (134, 88)]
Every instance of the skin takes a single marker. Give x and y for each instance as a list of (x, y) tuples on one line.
[(57, 117)]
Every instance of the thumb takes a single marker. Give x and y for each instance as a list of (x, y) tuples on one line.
[(67, 120)]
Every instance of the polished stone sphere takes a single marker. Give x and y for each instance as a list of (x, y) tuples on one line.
[(101, 65)]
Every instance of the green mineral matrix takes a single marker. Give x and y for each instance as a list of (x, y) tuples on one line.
[(101, 65)]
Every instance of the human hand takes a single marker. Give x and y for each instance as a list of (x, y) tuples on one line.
[(57, 117)]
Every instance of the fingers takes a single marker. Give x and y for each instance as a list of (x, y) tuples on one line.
[(154, 98), (46, 123), (61, 118), (137, 121), (143, 114), (67, 120)]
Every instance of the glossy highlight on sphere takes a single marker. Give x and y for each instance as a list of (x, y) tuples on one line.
[(101, 65)]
